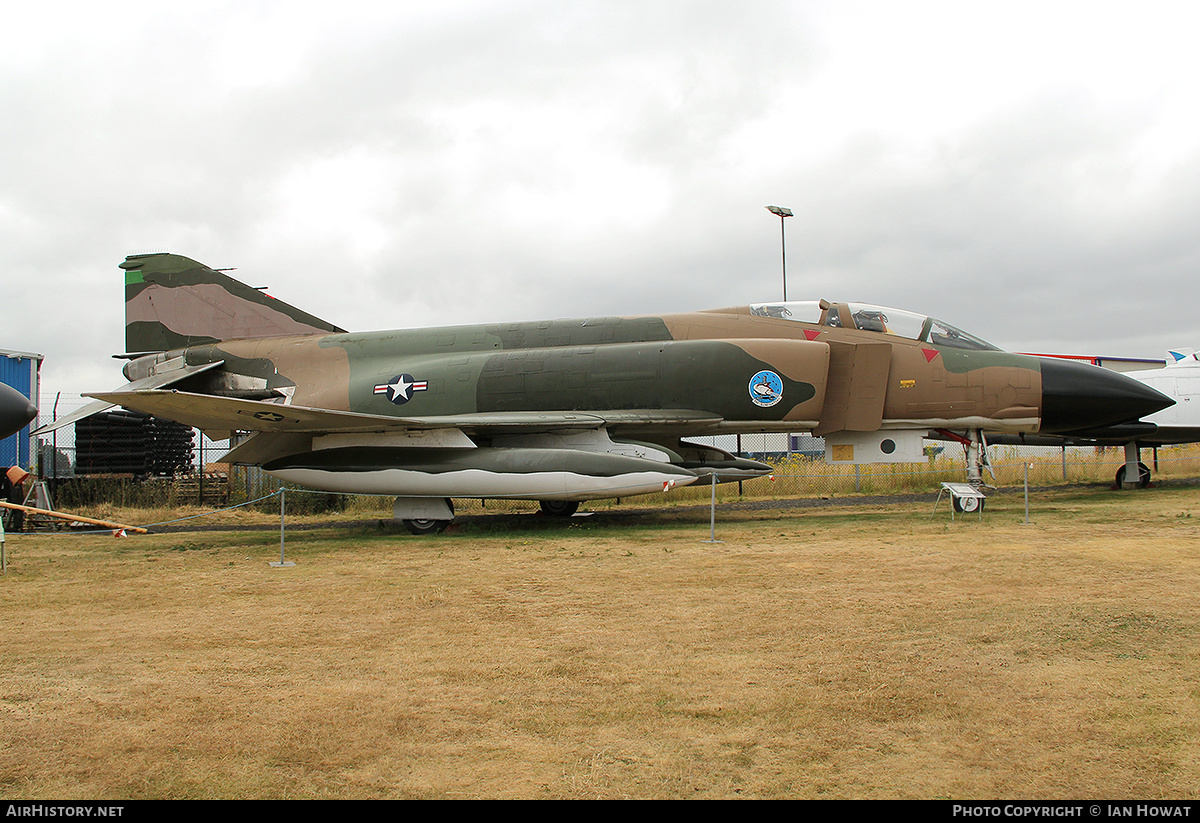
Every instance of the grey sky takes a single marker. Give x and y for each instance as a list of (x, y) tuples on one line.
[(1028, 171)]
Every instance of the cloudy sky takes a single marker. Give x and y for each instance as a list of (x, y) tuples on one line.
[(1029, 171)]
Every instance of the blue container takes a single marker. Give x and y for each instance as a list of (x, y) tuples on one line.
[(20, 370)]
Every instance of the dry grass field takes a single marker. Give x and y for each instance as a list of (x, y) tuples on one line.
[(861, 652)]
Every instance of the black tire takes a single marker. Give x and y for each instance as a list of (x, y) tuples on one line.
[(419, 527), (967, 505), (1143, 476), (559, 508)]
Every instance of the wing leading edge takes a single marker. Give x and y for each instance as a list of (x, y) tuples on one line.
[(213, 413)]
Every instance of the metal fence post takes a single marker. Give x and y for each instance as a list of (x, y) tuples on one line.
[(282, 506)]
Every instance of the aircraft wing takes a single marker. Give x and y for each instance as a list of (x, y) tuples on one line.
[(213, 413), (208, 412)]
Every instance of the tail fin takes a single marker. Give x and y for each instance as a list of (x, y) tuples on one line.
[(172, 302)]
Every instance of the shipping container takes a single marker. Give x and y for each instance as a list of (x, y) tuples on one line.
[(20, 370)]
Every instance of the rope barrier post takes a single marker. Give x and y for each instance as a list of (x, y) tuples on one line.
[(712, 516), (1027, 494), (282, 503)]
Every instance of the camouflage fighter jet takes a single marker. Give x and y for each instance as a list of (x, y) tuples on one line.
[(567, 410)]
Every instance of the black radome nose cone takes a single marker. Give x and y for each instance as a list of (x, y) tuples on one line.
[(1079, 396), (15, 410)]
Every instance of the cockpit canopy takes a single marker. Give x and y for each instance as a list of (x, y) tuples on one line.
[(880, 319)]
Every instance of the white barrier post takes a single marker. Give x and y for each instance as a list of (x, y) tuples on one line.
[(712, 513), (281, 562)]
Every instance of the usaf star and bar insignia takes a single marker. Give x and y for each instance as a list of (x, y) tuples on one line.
[(401, 388), (268, 416)]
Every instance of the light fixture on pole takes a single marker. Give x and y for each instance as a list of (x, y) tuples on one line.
[(782, 213)]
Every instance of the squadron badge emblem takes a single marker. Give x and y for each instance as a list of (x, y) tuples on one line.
[(766, 388)]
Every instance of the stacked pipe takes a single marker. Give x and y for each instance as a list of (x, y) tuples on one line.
[(131, 443)]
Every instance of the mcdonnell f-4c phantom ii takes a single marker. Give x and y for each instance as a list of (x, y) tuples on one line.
[(568, 410)]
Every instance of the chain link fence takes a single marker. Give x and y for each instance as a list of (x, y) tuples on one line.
[(799, 471)]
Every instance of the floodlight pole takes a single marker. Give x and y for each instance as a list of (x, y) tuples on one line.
[(782, 213)]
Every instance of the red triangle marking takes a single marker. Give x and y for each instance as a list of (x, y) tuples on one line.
[(929, 354), (812, 334)]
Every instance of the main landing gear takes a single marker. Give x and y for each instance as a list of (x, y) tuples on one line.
[(433, 515), (425, 526), (424, 515), (559, 508)]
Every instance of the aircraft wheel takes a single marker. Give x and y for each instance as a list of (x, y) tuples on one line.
[(426, 526), (1143, 476), (559, 508), (967, 505)]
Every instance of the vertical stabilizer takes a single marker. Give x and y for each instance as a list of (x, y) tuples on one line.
[(172, 302)]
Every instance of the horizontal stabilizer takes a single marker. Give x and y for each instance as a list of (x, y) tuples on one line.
[(154, 381)]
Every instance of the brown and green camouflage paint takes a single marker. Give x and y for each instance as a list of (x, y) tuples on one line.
[(700, 361), (204, 306)]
